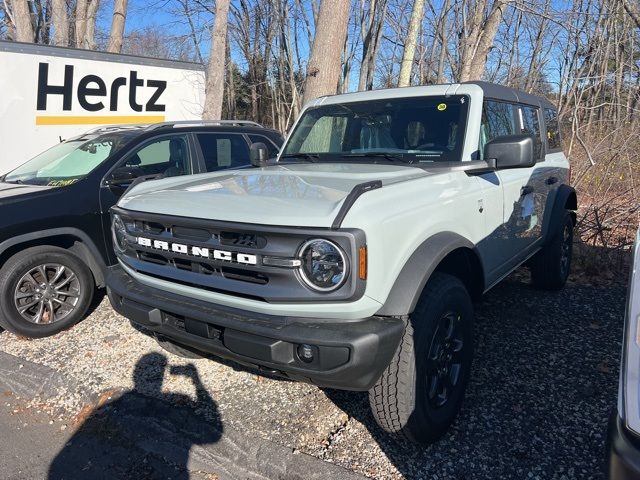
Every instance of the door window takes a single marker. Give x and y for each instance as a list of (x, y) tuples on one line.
[(531, 126), (497, 120), (223, 150), (168, 157)]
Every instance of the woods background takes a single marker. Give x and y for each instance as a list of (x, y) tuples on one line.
[(265, 58)]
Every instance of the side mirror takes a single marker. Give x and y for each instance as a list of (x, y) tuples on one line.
[(510, 151), (258, 154), (121, 176)]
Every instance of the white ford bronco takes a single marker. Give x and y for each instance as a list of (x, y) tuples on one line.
[(351, 260)]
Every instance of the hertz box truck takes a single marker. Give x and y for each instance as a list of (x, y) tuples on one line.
[(48, 94)]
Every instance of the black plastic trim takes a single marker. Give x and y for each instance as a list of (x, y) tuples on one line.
[(97, 266), (623, 451), (264, 341), (417, 270), (350, 199), (558, 210)]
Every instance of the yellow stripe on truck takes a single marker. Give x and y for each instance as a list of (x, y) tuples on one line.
[(96, 119)]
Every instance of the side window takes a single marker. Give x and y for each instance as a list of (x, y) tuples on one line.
[(223, 150), (497, 120), (273, 149), (531, 126), (167, 156), (553, 129)]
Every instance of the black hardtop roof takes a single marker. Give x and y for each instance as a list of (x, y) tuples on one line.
[(500, 92)]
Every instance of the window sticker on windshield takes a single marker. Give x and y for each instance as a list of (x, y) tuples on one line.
[(442, 107), (223, 147), (62, 183)]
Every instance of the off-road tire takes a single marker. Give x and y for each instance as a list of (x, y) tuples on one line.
[(176, 349), (550, 267), (399, 400), (20, 264)]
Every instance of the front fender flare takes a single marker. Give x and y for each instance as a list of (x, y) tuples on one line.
[(415, 273)]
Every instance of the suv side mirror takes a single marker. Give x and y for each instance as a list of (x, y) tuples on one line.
[(258, 154), (121, 176), (510, 151)]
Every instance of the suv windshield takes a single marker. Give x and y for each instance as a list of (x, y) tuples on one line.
[(67, 162), (411, 130)]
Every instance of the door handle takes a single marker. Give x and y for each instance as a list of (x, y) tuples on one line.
[(526, 190), (552, 180)]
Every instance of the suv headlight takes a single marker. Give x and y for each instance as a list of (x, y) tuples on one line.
[(323, 265), (630, 371), (119, 233)]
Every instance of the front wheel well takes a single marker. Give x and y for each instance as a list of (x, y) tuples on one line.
[(464, 264), (66, 241)]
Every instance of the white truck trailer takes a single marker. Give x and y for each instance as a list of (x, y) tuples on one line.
[(50, 94)]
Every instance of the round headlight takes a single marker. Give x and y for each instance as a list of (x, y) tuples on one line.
[(323, 265), (119, 234)]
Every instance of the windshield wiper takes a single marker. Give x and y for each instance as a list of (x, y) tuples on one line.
[(392, 157), (309, 157)]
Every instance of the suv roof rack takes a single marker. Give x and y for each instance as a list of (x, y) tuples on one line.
[(108, 128), (181, 123)]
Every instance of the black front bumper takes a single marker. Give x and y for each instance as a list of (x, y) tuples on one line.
[(349, 355), (623, 451)]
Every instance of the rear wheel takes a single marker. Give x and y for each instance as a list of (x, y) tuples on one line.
[(420, 393), (550, 267), (44, 290)]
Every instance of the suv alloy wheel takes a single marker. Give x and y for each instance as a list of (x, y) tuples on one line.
[(44, 290)]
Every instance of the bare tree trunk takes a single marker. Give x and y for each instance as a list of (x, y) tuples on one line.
[(215, 71), (231, 88), (89, 38), (410, 44), (371, 23), (80, 21), (117, 26), (323, 71), (443, 38), (60, 20), (479, 41), (22, 21)]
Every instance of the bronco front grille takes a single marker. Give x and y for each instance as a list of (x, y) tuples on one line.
[(227, 257)]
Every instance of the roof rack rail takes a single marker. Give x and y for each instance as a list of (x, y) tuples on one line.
[(108, 128), (182, 123)]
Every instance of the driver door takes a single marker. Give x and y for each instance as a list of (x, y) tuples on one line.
[(168, 156)]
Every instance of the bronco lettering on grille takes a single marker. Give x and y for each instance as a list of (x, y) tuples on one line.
[(201, 252)]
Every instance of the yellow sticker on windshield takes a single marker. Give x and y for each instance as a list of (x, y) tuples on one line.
[(442, 107)]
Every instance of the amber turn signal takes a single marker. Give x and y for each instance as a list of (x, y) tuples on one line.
[(362, 263)]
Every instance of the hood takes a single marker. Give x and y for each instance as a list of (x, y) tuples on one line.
[(14, 191), (288, 195)]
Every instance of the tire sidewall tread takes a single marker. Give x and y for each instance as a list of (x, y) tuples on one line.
[(395, 399)]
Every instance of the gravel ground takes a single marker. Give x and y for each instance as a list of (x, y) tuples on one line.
[(544, 381)]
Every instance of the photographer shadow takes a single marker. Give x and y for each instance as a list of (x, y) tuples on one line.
[(142, 433)]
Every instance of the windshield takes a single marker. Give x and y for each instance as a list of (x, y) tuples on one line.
[(67, 162), (412, 130)]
